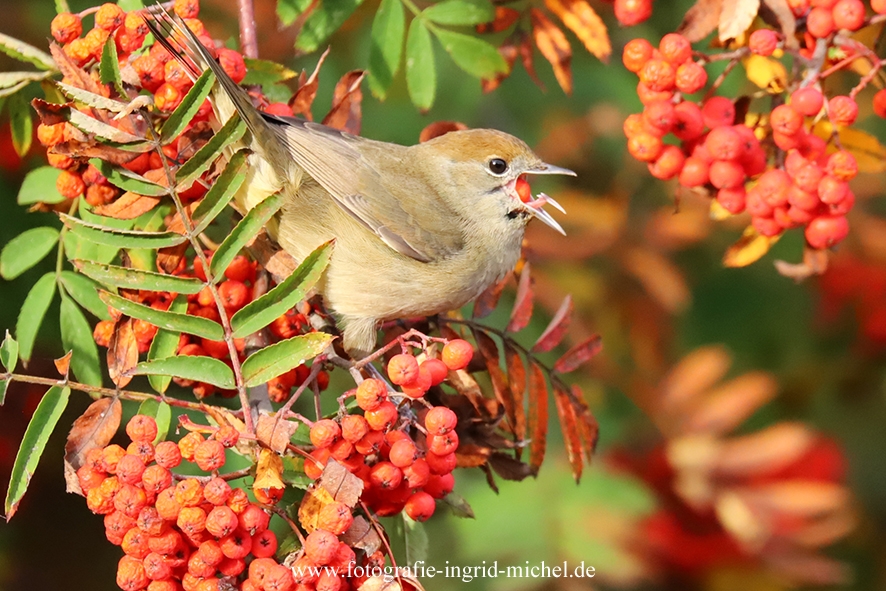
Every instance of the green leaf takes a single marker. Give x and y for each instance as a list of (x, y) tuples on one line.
[(289, 10), (62, 6), (416, 541), (130, 5), (120, 238), (39, 429), (76, 247), (421, 70), (219, 195), (165, 344), (231, 132), (460, 12), (7, 92), (265, 72), (197, 368), (261, 312), (9, 352), (162, 414), (4, 385), (109, 68), (474, 56), (30, 317), (26, 53), (87, 215), (136, 279), (21, 123), (458, 505), (386, 46), (128, 180), (26, 250), (13, 79), (77, 337), (39, 187), (85, 292), (112, 136), (189, 106), (195, 325), (90, 99), (323, 22), (248, 227), (279, 358)]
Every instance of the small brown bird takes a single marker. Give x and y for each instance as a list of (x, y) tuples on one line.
[(419, 230)]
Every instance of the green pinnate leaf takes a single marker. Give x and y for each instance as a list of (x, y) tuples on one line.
[(39, 187), (164, 345), (421, 69), (279, 358), (460, 12), (77, 337), (9, 352), (84, 291), (195, 325), (189, 106), (30, 317), (26, 53), (21, 122), (136, 279), (26, 250), (197, 368), (386, 46), (323, 21), (475, 56), (248, 227)]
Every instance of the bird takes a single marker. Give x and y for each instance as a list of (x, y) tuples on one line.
[(419, 230)]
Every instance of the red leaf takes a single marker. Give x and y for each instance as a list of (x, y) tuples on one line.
[(63, 364), (552, 44), (122, 352), (489, 352), (570, 428), (522, 312), (526, 50), (488, 300), (438, 128), (578, 354), (346, 113), (517, 384), (588, 427), (556, 329), (538, 416), (94, 428), (303, 99), (509, 52)]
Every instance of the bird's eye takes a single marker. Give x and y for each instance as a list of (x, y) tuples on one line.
[(497, 166)]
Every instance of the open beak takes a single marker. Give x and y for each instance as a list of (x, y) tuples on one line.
[(535, 206), (544, 168)]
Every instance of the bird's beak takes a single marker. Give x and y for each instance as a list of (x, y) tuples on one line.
[(544, 168), (535, 207)]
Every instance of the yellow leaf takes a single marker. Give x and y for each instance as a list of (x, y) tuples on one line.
[(718, 212), (868, 151), (552, 44), (748, 249), (585, 23), (767, 73), (269, 471)]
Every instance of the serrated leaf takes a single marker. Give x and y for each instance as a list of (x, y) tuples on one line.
[(748, 249), (189, 106), (102, 130), (17, 79), (26, 250), (136, 279), (165, 344), (517, 383), (248, 227), (416, 539), (31, 315), (386, 46), (77, 337), (521, 313), (40, 427), (279, 358), (196, 368), (556, 329), (460, 12), (21, 123), (109, 67), (261, 312), (221, 192), (89, 215), (197, 164), (421, 69), (77, 247), (26, 53), (195, 325), (9, 353), (162, 414), (475, 56), (39, 187), (537, 417), (91, 99), (579, 354), (131, 5), (583, 20), (266, 72), (458, 505), (324, 20), (128, 180), (84, 291), (120, 238), (569, 428)]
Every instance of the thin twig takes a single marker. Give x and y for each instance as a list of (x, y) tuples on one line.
[(248, 35)]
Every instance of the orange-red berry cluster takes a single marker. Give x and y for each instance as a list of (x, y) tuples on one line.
[(824, 17), (717, 152), (400, 472)]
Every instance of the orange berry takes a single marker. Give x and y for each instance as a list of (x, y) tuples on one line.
[(50, 135), (66, 27), (442, 445), (457, 354), (647, 95), (109, 17), (689, 123), (440, 420), (724, 143), (659, 117), (238, 501), (186, 8), (436, 368), (130, 499), (335, 517), (189, 492), (167, 506), (842, 110), (849, 14), (807, 101), (371, 393), (167, 97), (632, 12), (325, 432), (658, 75), (879, 6), (320, 547), (167, 454), (150, 73), (70, 184), (402, 369), (117, 524), (675, 48), (131, 574), (420, 506), (232, 63), (157, 568), (645, 147), (785, 119), (826, 231), (417, 473), (842, 165), (142, 428), (187, 445), (690, 78), (820, 22), (191, 520), (221, 521), (636, 53), (441, 464), (264, 544), (110, 456), (718, 111), (763, 42), (236, 545), (234, 294), (440, 485), (209, 455), (103, 332), (668, 164), (382, 417), (175, 73), (694, 173), (732, 200), (130, 468)]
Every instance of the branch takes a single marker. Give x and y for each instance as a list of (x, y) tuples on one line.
[(248, 36)]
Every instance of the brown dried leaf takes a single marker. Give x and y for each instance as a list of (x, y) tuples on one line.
[(122, 352), (587, 25), (588, 427), (580, 353), (517, 384), (701, 20), (554, 46), (341, 484), (785, 17), (726, 407), (128, 206), (509, 468), (268, 470), (488, 300), (63, 363), (526, 57), (504, 18), (736, 17), (75, 75), (303, 99), (522, 311), (92, 149), (764, 451), (538, 416), (362, 535), (316, 497), (438, 128), (661, 278), (489, 352), (556, 329), (346, 113), (569, 427), (472, 455), (465, 384), (169, 258), (94, 428), (748, 249), (695, 374), (509, 52), (274, 433), (51, 113)]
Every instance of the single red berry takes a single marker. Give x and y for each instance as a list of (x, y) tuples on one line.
[(842, 165), (726, 174), (440, 485), (321, 547), (234, 294), (645, 147), (659, 75), (417, 473), (785, 119), (690, 121), (826, 231), (457, 354), (690, 78), (403, 453), (131, 574), (766, 226), (142, 428), (820, 22), (66, 27), (732, 200), (668, 164), (647, 95), (832, 189), (763, 42), (440, 420), (264, 544), (437, 369), (675, 48), (232, 63), (807, 101), (718, 111), (879, 6), (402, 369), (382, 417), (325, 432), (635, 54), (694, 173), (420, 506), (849, 14), (335, 518), (385, 475), (724, 143), (632, 12), (109, 16)]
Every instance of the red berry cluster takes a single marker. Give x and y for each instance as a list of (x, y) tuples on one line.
[(823, 17), (811, 190), (400, 472)]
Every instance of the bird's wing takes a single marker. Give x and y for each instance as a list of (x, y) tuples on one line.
[(332, 158)]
